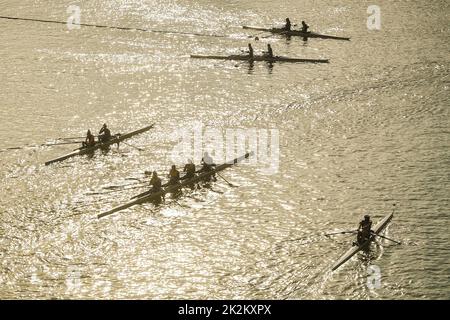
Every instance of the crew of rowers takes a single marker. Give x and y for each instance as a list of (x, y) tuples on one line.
[(268, 53), (288, 25), (364, 230), (174, 174), (104, 135)]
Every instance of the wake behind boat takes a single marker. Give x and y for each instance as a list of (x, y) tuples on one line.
[(296, 33), (103, 142), (260, 58)]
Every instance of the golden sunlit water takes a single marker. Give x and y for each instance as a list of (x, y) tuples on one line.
[(367, 130)]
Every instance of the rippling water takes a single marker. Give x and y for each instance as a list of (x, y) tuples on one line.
[(366, 131)]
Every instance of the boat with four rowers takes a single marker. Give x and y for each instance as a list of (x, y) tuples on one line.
[(105, 140), (173, 188)]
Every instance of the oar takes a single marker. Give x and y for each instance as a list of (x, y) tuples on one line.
[(378, 235), (229, 183), (20, 148), (140, 149), (113, 27), (71, 138)]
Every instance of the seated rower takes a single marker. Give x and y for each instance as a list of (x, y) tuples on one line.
[(287, 26), (189, 168), (89, 141), (305, 27), (364, 230), (104, 134), (155, 182), (250, 51), (174, 175), (269, 52)]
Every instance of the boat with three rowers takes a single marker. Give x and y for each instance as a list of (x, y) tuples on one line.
[(105, 139), (155, 195)]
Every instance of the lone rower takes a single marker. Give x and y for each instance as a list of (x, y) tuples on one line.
[(269, 52), (174, 175), (189, 168), (305, 27), (89, 141), (155, 182), (287, 26), (207, 161), (364, 230), (104, 134), (250, 51)]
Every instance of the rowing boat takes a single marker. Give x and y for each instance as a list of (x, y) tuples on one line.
[(261, 58), (176, 187), (100, 145), (354, 250), (140, 195), (297, 33)]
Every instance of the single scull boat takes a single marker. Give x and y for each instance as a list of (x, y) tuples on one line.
[(354, 250)]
